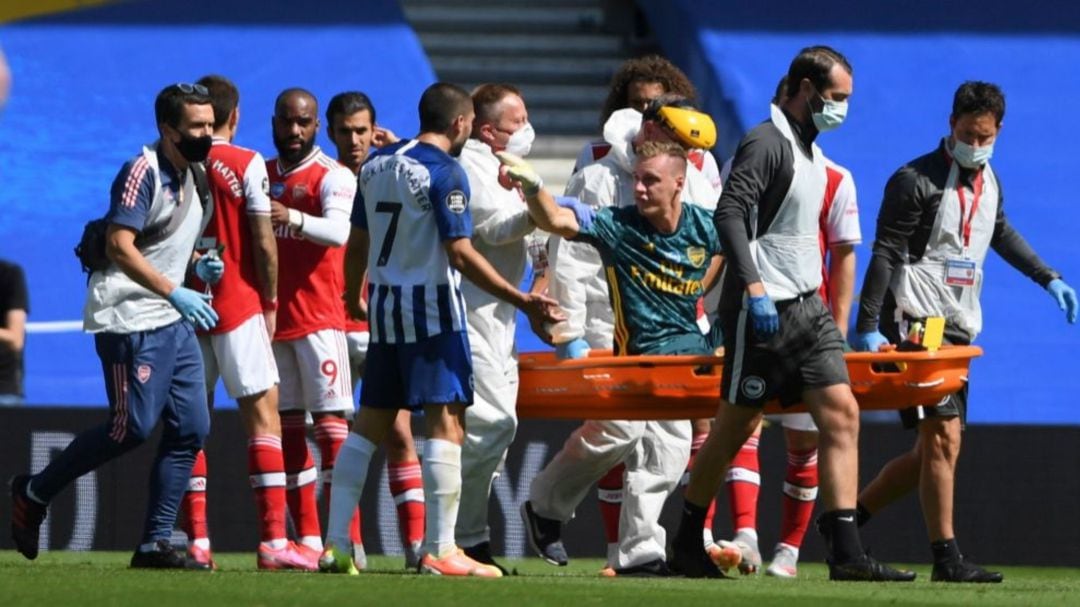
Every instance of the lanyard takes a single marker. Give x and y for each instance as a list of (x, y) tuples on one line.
[(977, 190)]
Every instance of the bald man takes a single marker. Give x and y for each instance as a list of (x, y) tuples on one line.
[(311, 197)]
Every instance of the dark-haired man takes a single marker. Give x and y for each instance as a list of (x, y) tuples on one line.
[(779, 339), (311, 197), (238, 349), (350, 123), (941, 214), (144, 321), (412, 195), (636, 84)]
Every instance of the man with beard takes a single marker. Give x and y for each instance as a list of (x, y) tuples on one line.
[(142, 320), (351, 125), (311, 198), (779, 339), (412, 233)]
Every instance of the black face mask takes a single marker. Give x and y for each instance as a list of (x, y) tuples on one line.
[(194, 149)]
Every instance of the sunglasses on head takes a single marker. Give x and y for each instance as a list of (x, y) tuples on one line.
[(188, 89)]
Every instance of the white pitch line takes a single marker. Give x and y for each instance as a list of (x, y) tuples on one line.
[(55, 326)]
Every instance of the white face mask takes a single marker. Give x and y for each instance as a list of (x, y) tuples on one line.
[(520, 143), (970, 156), (832, 115)]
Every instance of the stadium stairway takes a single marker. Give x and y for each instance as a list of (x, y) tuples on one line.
[(560, 53)]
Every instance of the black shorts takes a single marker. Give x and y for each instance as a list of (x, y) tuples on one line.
[(807, 352), (953, 405)]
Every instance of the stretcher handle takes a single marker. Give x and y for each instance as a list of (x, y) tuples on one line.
[(944, 353), (925, 384), (604, 359)]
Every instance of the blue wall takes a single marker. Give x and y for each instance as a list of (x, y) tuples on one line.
[(908, 59), (82, 103)]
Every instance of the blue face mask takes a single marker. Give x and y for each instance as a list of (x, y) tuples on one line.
[(832, 114), (970, 156)]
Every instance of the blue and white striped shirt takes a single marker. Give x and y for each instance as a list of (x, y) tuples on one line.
[(411, 198)]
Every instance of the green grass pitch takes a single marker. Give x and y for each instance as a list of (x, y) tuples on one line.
[(103, 578)]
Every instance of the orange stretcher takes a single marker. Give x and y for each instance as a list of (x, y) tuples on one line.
[(603, 386)]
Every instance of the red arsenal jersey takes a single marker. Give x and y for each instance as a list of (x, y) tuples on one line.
[(310, 275), (239, 185)]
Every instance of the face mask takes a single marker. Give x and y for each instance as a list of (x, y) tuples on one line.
[(832, 114), (970, 156), (521, 141), (195, 149)]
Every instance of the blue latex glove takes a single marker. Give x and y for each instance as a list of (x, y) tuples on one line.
[(210, 269), (194, 307), (766, 319), (871, 341), (1065, 297), (575, 348), (582, 212)]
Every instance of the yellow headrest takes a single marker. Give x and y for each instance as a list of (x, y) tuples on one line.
[(692, 128)]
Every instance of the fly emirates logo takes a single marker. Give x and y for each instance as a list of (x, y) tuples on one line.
[(669, 280)]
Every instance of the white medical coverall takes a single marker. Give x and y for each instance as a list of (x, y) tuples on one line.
[(501, 226)]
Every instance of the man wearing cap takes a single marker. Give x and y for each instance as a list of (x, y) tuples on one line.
[(654, 452)]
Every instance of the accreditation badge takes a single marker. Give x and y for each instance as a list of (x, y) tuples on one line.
[(959, 272)]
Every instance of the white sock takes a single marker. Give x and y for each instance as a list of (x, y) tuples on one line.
[(312, 541), (350, 473), (789, 547), (276, 544), (441, 469), (202, 543), (747, 532)]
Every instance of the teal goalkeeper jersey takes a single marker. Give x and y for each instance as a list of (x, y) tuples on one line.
[(654, 279)]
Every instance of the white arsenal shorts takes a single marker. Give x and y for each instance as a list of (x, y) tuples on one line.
[(315, 373), (243, 358)]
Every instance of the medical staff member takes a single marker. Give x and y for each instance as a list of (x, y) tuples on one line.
[(502, 234), (144, 320), (941, 214)]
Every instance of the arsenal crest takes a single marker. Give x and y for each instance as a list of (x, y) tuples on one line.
[(696, 255), (143, 373)]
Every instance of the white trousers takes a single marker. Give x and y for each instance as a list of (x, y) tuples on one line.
[(490, 426), (655, 454)]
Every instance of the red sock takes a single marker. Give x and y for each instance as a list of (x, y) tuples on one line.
[(193, 508), (609, 493), (266, 471), (744, 484), (330, 433), (407, 487), (300, 475), (800, 491)]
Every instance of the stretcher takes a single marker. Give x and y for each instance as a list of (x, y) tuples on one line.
[(603, 386)]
